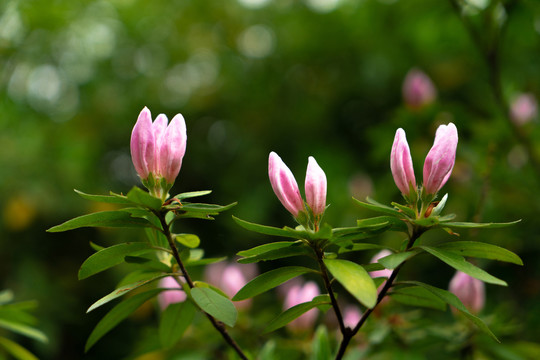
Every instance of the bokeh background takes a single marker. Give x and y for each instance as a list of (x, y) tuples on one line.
[(318, 78)]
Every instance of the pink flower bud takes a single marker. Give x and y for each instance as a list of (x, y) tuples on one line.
[(284, 184), (231, 277), (401, 164), (315, 187), (168, 297), (298, 294), (523, 109), (351, 316), (380, 273), (157, 149), (418, 90), (469, 290), (440, 159)]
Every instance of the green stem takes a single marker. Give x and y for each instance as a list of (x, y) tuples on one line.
[(218, 325)]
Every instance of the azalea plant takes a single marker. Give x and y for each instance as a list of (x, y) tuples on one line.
[(164, 261)]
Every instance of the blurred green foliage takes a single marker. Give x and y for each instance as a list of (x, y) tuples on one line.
[(312, 77)]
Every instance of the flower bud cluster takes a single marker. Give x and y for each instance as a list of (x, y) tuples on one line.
[(286, 189)]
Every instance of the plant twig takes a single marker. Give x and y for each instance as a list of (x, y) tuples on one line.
[(218, 325)]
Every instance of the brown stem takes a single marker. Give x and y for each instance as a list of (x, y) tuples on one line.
[(324, 273), (218, 325), (349, 335)]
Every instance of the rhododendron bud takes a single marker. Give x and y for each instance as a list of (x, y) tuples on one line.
[(168, 297), (469, 290), (351, 316), (157, 150), (315, 187), (284, 185), (380, 273), (401, 165), (298, 294), (523, 109), (231, 277), (440, 159), (418, 90)]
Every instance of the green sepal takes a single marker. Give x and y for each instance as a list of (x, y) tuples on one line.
[(409, 212), (296, 311)]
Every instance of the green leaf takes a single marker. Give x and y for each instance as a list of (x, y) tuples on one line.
[(192, 194), (269, 280), (111, 256), (175, 319), (215, 304), (6, 296), (426, 222), (124, 290), (354, 279), (418, 296), (189, 240), (375, 206), (440, 206), (481, 250), (453, 300), (210, 209), (321, 348), (361, 247), (23, 329), (471, 225), (140, 197), (265, 248), (205, 261), (147, 263), (405, 210), (16, 350), (109, 199), (117, 315), (393, 261), (294, 312), (263, 229), (458, 262), (117, 218), (294, 249)]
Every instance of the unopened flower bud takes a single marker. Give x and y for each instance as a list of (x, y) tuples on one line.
[(157, 150), (469, 290), (418, 89), (231, 277), (351, 316), (172, 296), (401, 165), (380, 273), (284, 185), (523, 109), (440, 159), (315, 187), (298, 294)]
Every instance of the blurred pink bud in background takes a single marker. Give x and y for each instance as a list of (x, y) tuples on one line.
[(401, 164), (315, 187), (168, 297), (469, 290), (351, 316), (157, 149), (230, 278), (297, 294), (418, 89), (284, 184), (523, 109), (440, 159), (380, 273)]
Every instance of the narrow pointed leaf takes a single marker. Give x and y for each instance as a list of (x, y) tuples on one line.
[(265, 248), (111, 256), (361, 247), (321, 348), (459, 263), (393, 261), (263, 229), (354, 279), (481, 250), (102, 219), (16, 350), (453, 300), (210, 209), (269, 280), (405, 210), (118, 314), (24, 330), (471, 225), (418, 296), (124, 290), (109, 199), (440, 206), (215, 304), (375, 206), (294, 312), (192, 194), (175, 319), (295, 250)]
